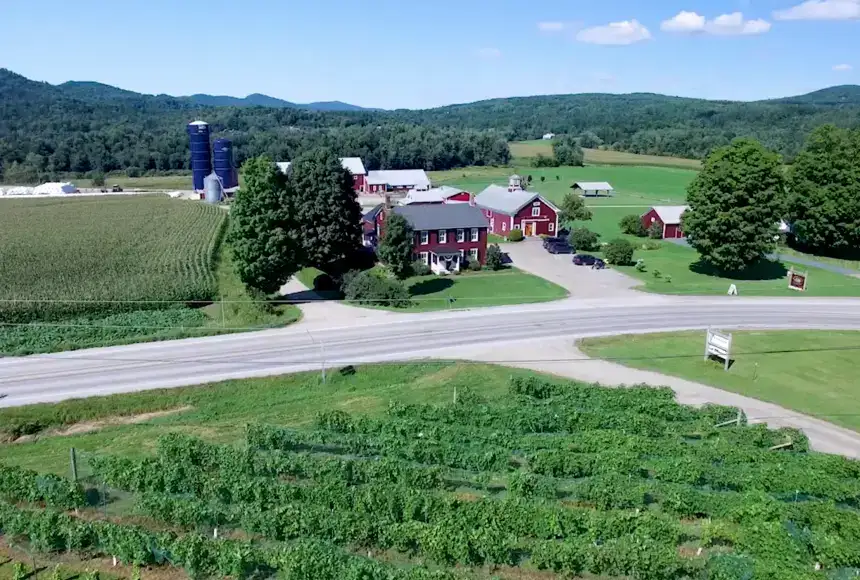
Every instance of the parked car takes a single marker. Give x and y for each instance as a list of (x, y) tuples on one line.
[(598, 264), (553, 240), (559, 248), (584, 259)]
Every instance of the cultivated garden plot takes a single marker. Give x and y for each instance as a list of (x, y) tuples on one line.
[(563, 477)]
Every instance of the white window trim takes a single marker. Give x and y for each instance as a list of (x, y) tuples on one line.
[(536, 211), (424, 257), (425, 237), (462, 253), (551, 227), (516, 226), (461, 235), (476, 234), (473, 253), (443, 236)]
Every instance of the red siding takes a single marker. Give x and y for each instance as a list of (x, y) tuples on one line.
[(358, 182), (462, 196), (539, 224), (452, 244), (673, 231), (500, 223), (669, 230)]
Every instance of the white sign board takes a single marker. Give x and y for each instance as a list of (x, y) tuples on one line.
[(718, 345)]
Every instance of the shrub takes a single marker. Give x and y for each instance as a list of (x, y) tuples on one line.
[(495, 259), (632, 225), (133, 172), (543, 177), (652, 245), (475, 266), (655, 231), (98, 179), (370, 288), (657, 274), (583, 239), (420, 268), (515, 236), (667, 278), (557, 178), (619, 252), (640, 265), (544, 161)]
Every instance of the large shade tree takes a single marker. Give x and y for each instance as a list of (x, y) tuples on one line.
[(265, 233), (397, 245), (568, 151), (824, 200), (326, 207), (735, 205)]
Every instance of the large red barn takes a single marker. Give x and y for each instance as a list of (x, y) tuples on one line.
[(514, 208)]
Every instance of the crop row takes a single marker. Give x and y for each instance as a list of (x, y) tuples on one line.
[(51, 531), (23, 485)]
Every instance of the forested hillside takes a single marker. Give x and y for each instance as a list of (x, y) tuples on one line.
[(79, 127)]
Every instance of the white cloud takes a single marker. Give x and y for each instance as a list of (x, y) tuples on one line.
[(550, 26), (821, 10), (842, 67), (732, 24), (684, 21), (488, 52), (626, 32)]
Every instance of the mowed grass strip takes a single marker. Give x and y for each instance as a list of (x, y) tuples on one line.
[(102, 255), (814, 372), (530, 149)]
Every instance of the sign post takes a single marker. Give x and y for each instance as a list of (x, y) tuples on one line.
[(797, 280), (718, 345)]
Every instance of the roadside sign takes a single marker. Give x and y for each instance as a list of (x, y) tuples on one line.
[(733, 290), (797, 280), (718, 345)]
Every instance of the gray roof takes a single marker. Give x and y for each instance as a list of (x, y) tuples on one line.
[(399, 178), (670, 214), (499, 199), (370, 215), (443, 216), (593, 186)]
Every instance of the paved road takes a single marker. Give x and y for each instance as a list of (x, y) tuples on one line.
[(49, 378)]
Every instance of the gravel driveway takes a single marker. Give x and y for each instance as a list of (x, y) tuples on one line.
[(580, 281)]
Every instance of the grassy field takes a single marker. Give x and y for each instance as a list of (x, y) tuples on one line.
[(811, 372), (147, 183), (89, 272), (639, 186), (467, 468), (529, 149)]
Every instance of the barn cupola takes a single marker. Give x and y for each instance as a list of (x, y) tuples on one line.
[(515, 183)]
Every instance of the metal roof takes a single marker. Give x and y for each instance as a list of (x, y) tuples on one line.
[(442, 216), (435, 195), (670, 214), (501, 200), (593, 186), (284, 166), (370, 215), (399, 178), (354, 165), (198, 123)]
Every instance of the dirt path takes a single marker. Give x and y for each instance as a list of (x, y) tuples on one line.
[(562, 358)]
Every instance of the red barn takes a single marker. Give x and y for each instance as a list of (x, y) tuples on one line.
[(398, 180), (444, 194), (669, 218), (447, 236), (514, 208), (359, 174)]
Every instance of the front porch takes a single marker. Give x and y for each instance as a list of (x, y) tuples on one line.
[(444, 262)]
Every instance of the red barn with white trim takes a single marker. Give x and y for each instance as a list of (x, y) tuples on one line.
[(668, 216), (514, 208)]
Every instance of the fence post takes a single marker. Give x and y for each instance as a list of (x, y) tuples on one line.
[(74, 463)]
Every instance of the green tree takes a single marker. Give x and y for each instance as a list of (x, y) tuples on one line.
[(265, 232), (541, 160), (734, 205), (583, 239), (655, 231), (573, 209), (590, 140), (98, 179), (824, 204), (567, 151), (397, 245), (495, 259), (631, 224), (619, 252), (327, 208)]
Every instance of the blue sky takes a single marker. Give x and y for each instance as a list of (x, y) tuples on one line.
[(395, 53)]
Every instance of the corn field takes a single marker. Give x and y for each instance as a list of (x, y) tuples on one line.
[(61, 258)]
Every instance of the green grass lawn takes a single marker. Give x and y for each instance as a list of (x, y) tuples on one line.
[(529, 149), (768, 365), (477, 289), (640, 186), (220, 411)]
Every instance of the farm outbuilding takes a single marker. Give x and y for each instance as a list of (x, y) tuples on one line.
[(55, 189), (401, 180), (444, 194), (669, 216), (592, 188), (513, 208)]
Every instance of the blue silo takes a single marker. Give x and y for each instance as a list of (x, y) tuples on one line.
[(223, 161), (201, 155)]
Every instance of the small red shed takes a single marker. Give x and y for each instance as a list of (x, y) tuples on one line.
[(668, 216)]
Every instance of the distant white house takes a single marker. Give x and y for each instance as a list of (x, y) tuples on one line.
[(549, 137), (592, 188)]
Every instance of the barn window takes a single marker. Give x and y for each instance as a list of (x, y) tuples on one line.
[(536, 211), (551, 227), (461, 236), (423, 257), (473, 254), (653, 219), (516, 226), (475, 234), (504, 226), (425, 238), (443, 236)]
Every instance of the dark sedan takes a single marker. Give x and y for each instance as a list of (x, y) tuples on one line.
[(559, 248), (584, 259), (553, 240)]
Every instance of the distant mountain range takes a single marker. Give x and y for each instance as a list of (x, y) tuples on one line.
[(93, 91)]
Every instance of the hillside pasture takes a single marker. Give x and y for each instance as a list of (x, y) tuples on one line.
[(521, 150), (385, 471)]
